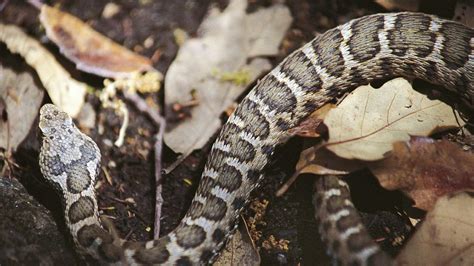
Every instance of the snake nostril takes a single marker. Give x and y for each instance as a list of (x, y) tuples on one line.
[(48, 117)]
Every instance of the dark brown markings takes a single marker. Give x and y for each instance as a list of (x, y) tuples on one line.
[(155, 255), (276, 95), (300, 69), (53, 164), (253, 119), (78, 176), (206, 255), (456, 47), (411, 33), (238, 203), (364, 43), (183, 261), (205, 185), (335, 203), (214, 209), (110, 252), (328, 55), (358, 241), (283, 125), (218, 235), (219, 159), (356, 78), (253, 176), (242, 150), (87, 234), (462, 84), (232, 178), (229, 131), (81, 209), (190, 236), (348, 221), (267, 150)]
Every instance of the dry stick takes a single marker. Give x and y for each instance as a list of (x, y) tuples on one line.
[(159, 121)]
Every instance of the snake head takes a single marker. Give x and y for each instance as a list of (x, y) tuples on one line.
[(54, 122)]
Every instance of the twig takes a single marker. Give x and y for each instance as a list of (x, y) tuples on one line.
[(159, 121), (158, 171)]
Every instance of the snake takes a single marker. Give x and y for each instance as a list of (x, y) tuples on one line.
[(373, 47)]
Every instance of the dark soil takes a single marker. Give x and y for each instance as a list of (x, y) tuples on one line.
[(132, 166)]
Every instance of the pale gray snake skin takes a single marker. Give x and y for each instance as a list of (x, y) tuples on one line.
[(373, 47)]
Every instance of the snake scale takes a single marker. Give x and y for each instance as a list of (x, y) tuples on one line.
[(378, 46)]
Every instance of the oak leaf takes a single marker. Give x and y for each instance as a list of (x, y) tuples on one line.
[(426, 169), (368, 121)]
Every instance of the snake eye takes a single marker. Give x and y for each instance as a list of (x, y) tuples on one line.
[(51, 137)]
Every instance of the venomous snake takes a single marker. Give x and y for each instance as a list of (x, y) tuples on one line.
[(378, 46)]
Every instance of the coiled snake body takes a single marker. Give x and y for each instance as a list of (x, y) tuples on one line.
[(373, 47)]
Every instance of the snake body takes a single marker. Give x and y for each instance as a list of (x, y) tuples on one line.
[(378, 46)]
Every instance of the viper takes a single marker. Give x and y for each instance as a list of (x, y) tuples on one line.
[(380, 46)]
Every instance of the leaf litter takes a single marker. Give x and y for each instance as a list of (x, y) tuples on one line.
[(64, 91), (230, 41), (18, 92)]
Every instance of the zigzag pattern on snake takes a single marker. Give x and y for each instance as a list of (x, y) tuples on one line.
[(379, 46)]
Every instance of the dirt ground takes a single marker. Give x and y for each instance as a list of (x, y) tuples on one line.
[(131, 166)]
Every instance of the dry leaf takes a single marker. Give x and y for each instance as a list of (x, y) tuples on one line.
[(240, 250), (446, 237), (369, 120), (91, 51), (406, 5), (310, 126), (22, 99), (320, 161), (65, 92), (225, 44), (464, 12), (426, 170)]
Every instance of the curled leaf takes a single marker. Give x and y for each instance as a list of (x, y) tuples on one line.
[(64, 91), (91, 51)]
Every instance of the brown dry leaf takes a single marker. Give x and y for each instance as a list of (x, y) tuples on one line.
[(91, 51), (310, 126), (22, 100), (64, 91), (406, 5), (426, 170), (446, 237), (321, 161), (369, 120), (240, 250), (464, 12), (217, 66)]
